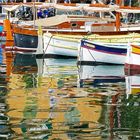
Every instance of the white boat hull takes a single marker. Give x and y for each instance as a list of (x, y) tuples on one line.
[(60, 46), (132, 65), (134, 60), (102, 53), (93, 56)]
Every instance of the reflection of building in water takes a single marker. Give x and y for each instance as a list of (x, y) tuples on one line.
[(5, 130), (1, 56), (81, 118), (42, 110), (122, 112), (72, 116), (8, 61), (29, 104), (29, 109)]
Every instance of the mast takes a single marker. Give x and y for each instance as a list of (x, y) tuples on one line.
[(118, 22), (34, 13)]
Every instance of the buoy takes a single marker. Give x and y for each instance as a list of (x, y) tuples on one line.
[(7, 29)]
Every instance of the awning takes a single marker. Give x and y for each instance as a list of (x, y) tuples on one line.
[(52, 21), (67, 8), (13, 8), (128, 10)]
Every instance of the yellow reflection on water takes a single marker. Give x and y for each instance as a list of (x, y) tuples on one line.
[(47, 101)]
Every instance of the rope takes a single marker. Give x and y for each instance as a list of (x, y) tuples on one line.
[(92, 55), (47, 46), (129, 57), (80, 70), (81, 55)]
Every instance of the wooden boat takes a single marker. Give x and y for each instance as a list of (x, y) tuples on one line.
[(65, 25), (132, 69), (109, 53), (100, 74), (73, 28), (132, 64), (65, 43), (27, 37), (58, 44)]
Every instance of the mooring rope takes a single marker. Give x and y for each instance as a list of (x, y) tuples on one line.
[(47, 46)]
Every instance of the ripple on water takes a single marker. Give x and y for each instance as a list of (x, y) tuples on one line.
[(57, 100)]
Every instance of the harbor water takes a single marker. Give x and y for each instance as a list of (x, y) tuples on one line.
[(56, 99)]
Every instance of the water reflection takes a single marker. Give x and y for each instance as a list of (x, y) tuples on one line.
[(24, 63), (56, 66), (133, 84), (5, 129), (101, 75), (128, 111), (1, 58), (43, 99)]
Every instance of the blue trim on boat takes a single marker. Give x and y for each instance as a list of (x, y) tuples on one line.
[(103, 48)]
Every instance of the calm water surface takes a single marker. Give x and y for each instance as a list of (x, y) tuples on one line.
[(54, 99)]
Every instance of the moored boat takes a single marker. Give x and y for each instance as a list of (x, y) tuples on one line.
[(56, 46), (98, 26), (132, 64), (25, 40), (60, 44), (102, 53), (28, 36)]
